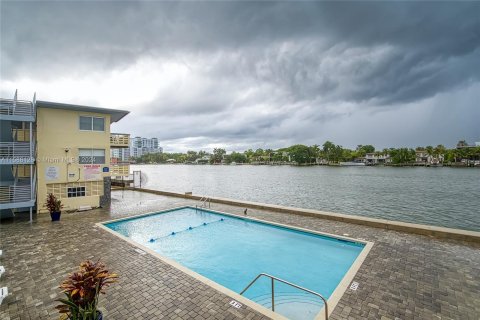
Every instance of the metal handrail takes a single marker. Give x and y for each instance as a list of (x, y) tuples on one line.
[(15, 193), (203, 202), (273, 278), (15, 149)]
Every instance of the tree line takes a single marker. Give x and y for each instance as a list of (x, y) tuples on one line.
[(329, 152)]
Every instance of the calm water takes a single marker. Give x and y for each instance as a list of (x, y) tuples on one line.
[(203, 241), (448, 197)]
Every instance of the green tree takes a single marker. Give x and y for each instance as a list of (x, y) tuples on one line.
[(238, 157), (218, 154), (192, 156), (328, 150), (402, 155), (363, 150), (299, 153)]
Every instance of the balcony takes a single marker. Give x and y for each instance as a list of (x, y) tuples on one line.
[(17, 110), (120, 170), (16, 153), (119, 140), (21, 135), (16, 196)]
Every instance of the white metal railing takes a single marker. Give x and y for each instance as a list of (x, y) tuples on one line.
[(21, 151), (273, 279), (16, 107), (33, 186), (203, 202), (119, 140), (13, 193), (121, 169)]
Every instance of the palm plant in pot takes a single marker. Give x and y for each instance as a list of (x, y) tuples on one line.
[(82, 289), (54, 206)]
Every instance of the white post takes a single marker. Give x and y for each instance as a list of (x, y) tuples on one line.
[(31, 219), (14, 101), (30, 140)]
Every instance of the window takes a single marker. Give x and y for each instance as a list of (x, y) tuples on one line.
[(73, 192), (85, 189), (92, 123), (91, 156)]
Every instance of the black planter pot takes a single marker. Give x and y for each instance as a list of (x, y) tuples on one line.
[(55, 215)]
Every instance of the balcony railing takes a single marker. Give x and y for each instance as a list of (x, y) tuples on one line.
[(118, 170), (12, 107), (15, 194), (16, 152), (119, 140)]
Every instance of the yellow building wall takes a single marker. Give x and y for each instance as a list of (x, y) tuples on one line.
[(59, 130)]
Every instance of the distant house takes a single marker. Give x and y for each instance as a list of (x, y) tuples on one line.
[(422, 157), (463, 144), (374, 158), (203, 160), (171, 161)]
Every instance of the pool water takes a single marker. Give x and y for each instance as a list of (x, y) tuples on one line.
[(233, 251)]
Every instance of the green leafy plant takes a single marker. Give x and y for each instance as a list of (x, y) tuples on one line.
[(52, 203), (82, 289)]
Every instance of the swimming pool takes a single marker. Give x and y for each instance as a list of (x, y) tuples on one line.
[(232, 251)]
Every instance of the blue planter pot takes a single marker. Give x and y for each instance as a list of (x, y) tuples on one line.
[(55, 215)]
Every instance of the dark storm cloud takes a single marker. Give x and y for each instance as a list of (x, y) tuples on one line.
[(253, 71)]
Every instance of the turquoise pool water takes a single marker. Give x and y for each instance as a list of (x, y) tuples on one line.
[(233, 251)]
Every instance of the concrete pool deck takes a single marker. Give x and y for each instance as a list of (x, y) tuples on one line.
[(405, 276)]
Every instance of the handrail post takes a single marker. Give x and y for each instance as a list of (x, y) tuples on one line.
[(288, 283), (273, 294)]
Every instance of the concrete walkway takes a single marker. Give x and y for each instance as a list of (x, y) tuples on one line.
[(405, 276)]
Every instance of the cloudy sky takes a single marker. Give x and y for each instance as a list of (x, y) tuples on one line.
[(239, 75)]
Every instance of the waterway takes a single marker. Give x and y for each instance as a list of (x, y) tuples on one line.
[(448, 197)]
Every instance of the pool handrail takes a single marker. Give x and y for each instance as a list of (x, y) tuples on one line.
[(273, 278), (203, 202)]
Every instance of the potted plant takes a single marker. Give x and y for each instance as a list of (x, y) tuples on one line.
[(82, 289), (54, 206)]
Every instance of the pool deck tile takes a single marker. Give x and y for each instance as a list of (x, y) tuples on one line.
[(405, 276)]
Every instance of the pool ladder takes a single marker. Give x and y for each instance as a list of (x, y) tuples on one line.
[(203, 202), (273, 278)]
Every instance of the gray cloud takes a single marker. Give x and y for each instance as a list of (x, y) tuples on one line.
[(266, 73)]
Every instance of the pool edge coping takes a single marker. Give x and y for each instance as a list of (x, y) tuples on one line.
[(332, 300)]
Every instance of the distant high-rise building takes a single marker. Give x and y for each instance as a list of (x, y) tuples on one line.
[(122, 155), (140, 146)]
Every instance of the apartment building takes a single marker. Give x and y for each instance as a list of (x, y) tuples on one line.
[(64, 149), (140, 146)]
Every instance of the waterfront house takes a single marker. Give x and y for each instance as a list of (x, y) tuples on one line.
[(64, 149), (423, 157), (374, 158), (203, 160)]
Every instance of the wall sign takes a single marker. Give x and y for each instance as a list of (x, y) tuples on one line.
[(106, 169), (92, 172), (52, 173)]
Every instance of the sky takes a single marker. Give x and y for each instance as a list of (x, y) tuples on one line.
[(240, 75)]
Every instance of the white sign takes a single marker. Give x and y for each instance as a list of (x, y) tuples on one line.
[(354, 285), (235, 304), (52, 173), (92, 172)]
